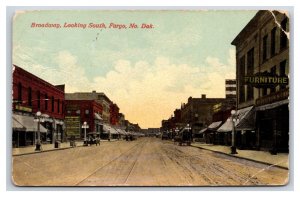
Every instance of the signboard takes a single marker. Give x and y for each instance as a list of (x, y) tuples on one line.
[(217, 107), (22, 108), (72, 125), (263, 80), (271, 98)]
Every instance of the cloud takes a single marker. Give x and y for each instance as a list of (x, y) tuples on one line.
[(145, 92)]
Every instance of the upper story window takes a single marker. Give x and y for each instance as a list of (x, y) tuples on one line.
[(242, 74), (52, 103), (58, 106), (19, 92), (250, 71), (273, 41), (283, 37), (46, 102), (265, 42), (38, 95), (29, 96), (273, 72)]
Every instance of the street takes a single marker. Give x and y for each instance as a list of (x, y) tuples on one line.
[(143, 162)]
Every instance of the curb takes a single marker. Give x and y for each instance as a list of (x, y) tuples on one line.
[(239, 157), (55, 149)]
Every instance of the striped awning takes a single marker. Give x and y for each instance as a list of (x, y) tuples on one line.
[(26, 123)]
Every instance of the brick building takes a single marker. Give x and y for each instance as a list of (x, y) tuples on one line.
[(30, 95), (262, 53), (80, 111), (197, 112), (114, 114)]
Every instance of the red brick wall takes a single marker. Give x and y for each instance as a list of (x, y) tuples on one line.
[(92, 106), (28, 80)]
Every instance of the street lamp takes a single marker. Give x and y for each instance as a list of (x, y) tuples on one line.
[(38, 119), (233, 138), (85, 126), (189, 131)]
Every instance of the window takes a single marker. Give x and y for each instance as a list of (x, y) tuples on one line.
[(265, 39), (29, 96), (283, 37), (273, 72), (282, 72), (273, 41), (38, 95), (20, 92), (264, 91), (58, 106), (250, 70), (46, 102), (52, 103), (241, 84)]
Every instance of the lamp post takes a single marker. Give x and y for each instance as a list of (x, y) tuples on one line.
[(189, 131), (38, 146), (233, 138), (85, 126)]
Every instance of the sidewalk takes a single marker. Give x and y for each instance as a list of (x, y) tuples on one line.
[(280, 160), (48, 147)]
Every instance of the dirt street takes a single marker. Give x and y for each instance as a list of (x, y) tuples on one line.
[(144, 162)]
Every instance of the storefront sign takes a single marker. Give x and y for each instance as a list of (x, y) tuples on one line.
[(22, 108), (260, 80), (72, 124), (277, 96), (217, 107)]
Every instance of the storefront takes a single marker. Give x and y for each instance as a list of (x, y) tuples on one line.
[(273, 127), (25, 130)]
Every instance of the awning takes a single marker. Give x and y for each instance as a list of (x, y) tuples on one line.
[(214, 125), (202, 131), (245, 119), (226, 127), (97, 116), (27, 122), (272, 105), (108, 129)]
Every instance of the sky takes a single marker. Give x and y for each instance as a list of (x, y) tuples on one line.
[(147, 72)]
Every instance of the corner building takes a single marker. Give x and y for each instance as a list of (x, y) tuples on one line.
[(262, 50)]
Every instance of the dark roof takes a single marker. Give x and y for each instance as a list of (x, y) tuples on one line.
[(248, 29)]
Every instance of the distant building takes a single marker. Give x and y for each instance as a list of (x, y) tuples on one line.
[(114, 114), (30, 95), (80, 111), (197, 112), (98, 97), (262, 56)]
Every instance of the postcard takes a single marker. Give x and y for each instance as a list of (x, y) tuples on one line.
[(150, 98)]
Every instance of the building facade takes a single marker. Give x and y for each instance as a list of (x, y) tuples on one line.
[(262, 56), (197, 112), (30, 95), (99, 97), (80, 111), (114, 114)]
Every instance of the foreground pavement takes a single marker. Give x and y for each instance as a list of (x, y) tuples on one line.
[(144, 162), (280, 160)]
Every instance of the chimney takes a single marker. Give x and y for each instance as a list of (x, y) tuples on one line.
[(203, 96), (94, 91)]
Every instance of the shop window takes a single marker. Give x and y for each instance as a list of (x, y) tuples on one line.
[(273, 41), (264, 91), (29, 96), (265, 39), (283, 37), (20, 92)]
